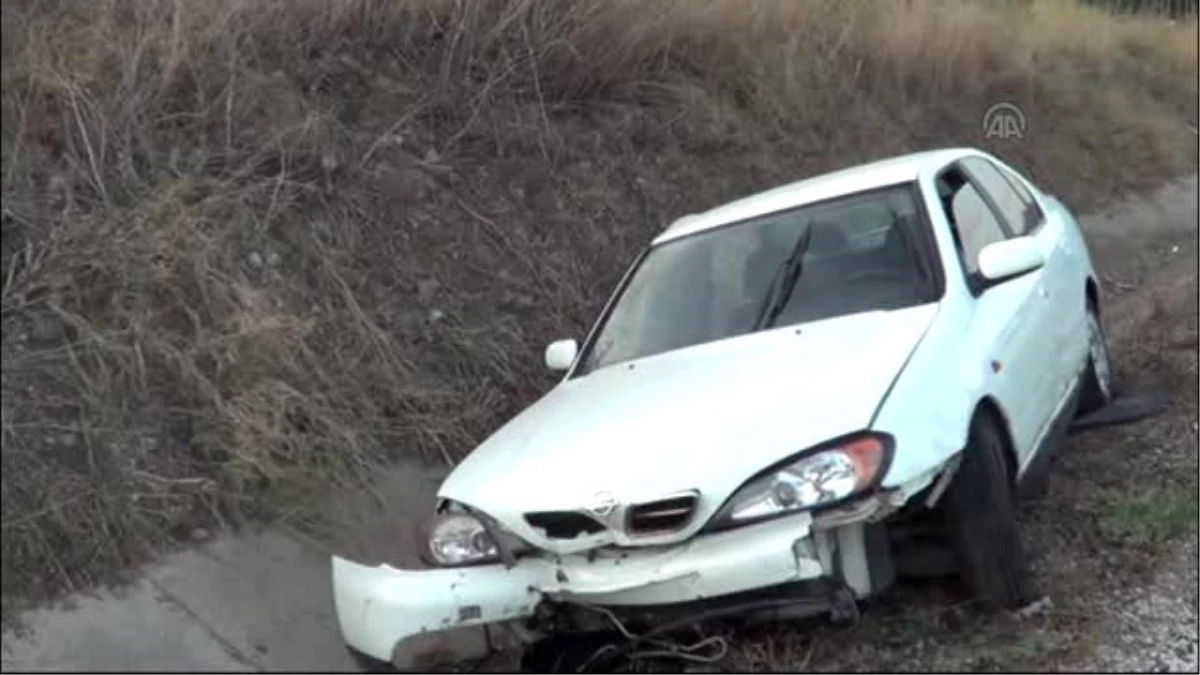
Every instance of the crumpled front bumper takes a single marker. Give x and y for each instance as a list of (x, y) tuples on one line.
[(381, 609)]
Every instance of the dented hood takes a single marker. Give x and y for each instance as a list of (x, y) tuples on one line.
[(703, 418)]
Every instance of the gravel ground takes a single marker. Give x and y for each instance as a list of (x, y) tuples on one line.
[(1152, 625), (1155, 628)]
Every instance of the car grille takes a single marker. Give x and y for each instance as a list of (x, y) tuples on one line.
[(563, 524), (660, 516)]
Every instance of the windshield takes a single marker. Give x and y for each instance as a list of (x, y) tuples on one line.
[(844, 256)]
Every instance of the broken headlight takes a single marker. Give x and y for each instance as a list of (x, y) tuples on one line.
[(820, 477), (455, 538)]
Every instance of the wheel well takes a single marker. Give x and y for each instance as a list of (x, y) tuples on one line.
[(1092, 293), (990, 409)]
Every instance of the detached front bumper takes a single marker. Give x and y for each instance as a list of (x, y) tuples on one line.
[(385, 612)]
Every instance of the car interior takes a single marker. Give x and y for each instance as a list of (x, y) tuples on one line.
[(840, 278), (948, 185)]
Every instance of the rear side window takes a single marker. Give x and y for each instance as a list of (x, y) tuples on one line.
[(1015, 203)]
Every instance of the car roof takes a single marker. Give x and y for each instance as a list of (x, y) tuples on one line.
[(854, 179)]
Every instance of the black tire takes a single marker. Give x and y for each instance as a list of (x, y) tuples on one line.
[(980, 508), (1096, 389)]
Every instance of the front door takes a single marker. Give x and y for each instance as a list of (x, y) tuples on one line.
[(1019, 212), (1014, 318)]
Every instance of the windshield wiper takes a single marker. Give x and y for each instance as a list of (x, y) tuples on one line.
[(784, 282)]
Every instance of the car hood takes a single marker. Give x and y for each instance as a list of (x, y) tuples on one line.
[(702, 418)]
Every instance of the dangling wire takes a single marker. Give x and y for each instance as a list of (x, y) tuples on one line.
[(688, 653), (661, 648)]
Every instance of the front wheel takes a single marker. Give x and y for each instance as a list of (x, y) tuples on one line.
[(1097, 375), (981, 513)]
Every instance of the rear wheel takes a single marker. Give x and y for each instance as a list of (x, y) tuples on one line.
[(1097, 375), (981, 514)]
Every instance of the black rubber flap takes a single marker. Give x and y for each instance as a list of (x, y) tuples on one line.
[(1124, 410)]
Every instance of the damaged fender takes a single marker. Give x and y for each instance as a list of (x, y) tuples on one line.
[(379, 606), (383, 610)]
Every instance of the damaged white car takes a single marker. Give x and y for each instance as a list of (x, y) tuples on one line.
[(788, 400)]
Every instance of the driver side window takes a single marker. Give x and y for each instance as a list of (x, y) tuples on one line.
[(1014, 203), (973, 223), (977, 225)]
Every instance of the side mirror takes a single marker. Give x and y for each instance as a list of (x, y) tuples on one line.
[(1006, 259), (560, 354)]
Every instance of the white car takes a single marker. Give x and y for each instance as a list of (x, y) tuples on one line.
[(788, 398)]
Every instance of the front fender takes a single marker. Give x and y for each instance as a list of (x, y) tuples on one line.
[(930, 405)]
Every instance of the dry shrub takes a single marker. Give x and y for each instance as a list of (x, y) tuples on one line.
[(253, 249)]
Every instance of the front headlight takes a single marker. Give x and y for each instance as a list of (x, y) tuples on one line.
[(453, 539), (821, 477)]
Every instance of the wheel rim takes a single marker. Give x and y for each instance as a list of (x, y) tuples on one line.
[(1099, 352)]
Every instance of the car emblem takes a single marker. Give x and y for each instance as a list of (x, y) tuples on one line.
[(603, 503)]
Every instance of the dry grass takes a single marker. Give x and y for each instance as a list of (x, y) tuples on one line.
[(252, 249)]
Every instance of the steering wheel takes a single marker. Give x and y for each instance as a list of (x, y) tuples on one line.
[(877, 273)]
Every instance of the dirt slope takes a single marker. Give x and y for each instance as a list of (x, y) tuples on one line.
[(252, 252), (1117, 559)]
